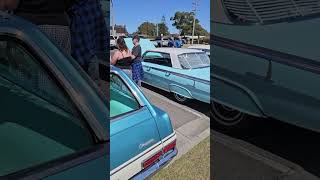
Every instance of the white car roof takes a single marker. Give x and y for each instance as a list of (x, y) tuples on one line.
[(174, 52), (199, 46)]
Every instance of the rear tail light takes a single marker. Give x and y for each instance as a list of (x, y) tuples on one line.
[(169, 147), (157, 156), (152, 160)]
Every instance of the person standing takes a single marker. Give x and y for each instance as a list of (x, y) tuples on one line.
[(137, 71), (51, 18), (178, 42), (171, 42), (122, 57), (88, 36)]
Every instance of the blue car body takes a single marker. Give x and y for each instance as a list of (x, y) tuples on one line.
[(163, 70), (53, 116), (138, 131)]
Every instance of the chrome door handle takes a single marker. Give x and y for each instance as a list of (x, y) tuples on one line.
[(148, 68), (167, 74)]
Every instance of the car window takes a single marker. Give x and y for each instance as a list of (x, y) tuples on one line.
[(194, 60), (158, 58), (122, 100), (38, 121)]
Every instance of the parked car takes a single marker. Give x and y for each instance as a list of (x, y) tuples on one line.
[(266, 63), (113, 43), (162, 43), (203, 47), (53, 117), (183, 72), (142, 136)]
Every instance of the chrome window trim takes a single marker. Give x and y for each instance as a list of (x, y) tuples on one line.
[(86, 111), (135, 94)]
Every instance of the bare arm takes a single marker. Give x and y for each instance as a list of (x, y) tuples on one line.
[(114, 58)]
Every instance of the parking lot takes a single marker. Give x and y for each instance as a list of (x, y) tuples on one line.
[(191, 121), (269, 149)]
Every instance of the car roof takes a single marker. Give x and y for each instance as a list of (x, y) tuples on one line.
[(200, 46), (175, 51)]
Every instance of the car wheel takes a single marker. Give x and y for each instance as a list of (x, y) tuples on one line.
[(180, 99), (227, 117)]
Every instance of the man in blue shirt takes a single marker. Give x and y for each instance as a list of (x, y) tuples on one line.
[(178, 42)]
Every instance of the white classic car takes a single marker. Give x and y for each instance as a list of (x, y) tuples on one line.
[(203, 47), (181, 71)]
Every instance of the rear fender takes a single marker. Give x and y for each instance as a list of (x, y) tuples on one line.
[(180, 90), (236, 96)]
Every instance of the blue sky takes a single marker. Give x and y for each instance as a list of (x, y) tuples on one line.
[(134, 12)]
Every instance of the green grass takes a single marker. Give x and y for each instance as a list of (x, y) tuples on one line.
[(193, 165)]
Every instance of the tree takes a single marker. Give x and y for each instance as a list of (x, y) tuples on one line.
[(121, 29), (183, 21), (162, 26), (147, 28), (163, 29)]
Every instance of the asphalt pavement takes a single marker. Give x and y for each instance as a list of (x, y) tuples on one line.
[(269, 149)]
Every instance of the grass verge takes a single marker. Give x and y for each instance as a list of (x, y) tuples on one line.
[(195, 164)]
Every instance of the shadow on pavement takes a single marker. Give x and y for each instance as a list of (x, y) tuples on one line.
[(199, 106), (292, 143)]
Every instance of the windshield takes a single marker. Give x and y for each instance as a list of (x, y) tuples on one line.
[(194, 60)]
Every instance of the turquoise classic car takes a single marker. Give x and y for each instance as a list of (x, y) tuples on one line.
[(53, 117), (266, 62), (183, 72), (142, 138)]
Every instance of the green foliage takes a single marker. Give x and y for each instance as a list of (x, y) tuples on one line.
[(183, 21), (163, 29), (147, 28)]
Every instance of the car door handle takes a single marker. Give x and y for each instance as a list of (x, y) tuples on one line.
[(167, 74), (148, 68)]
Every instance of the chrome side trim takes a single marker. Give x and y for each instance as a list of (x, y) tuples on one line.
[(180, 75)]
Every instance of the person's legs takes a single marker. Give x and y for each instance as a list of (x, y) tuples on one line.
[(139, 83), (137, 73)]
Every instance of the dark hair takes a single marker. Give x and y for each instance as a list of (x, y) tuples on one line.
[(136, 37), (122, 44)]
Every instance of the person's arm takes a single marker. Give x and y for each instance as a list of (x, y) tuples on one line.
[(134, 53), (114, 58)]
